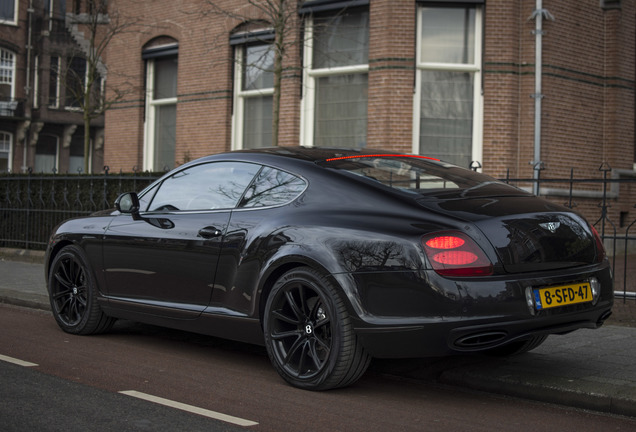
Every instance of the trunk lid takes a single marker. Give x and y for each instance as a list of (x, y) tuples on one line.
[(527, 232)]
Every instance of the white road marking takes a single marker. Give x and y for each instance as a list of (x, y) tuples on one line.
[(189, 408), (17, 361)]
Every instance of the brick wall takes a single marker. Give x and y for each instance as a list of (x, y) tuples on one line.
[(588, 83), (391, 75)]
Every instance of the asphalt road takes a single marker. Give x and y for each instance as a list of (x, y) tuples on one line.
[(34, 401), (76, 383)]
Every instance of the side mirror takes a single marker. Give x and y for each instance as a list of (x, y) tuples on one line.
[(128, 203)]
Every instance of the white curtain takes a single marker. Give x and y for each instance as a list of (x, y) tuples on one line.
[(340, 117), (446, 122), (341, 111)]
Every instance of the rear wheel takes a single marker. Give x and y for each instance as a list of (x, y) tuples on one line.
[(72, 292), (309, 335)]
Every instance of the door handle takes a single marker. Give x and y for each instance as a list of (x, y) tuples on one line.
[(209, 232)]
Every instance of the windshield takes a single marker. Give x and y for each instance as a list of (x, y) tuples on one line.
[(420, 175)]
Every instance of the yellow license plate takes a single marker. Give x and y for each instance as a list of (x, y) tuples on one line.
[(564, 295)]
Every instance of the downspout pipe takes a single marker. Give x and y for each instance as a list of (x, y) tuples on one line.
[(27, 87), (538, 15)]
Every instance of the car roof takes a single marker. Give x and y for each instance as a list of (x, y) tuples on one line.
[(309, 154)]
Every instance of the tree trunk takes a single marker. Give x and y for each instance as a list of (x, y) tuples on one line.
[(87, 115)]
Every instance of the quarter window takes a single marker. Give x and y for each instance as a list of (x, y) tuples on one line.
[(273, 187), (336, 76), (209, 186), (448, 101)]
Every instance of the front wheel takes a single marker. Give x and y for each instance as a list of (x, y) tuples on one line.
[(309, 335), (72, 292)]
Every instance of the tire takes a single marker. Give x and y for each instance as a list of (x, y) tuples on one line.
[(519, 347), (309, 335), (73, 294)]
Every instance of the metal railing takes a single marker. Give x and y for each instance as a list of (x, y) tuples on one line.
[(32, 205), (11, 107), (618, 238)]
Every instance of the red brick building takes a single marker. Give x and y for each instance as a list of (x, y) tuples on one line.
[(454, 80), (42, 58)]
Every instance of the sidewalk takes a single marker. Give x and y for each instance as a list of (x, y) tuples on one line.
[(590, 369)]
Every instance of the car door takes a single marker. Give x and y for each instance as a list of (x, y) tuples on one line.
[(165, 261), (257, 228)]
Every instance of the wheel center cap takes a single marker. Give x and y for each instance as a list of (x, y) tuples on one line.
[(309, 329), (75, 291)]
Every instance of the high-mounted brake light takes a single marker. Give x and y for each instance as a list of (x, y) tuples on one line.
[(456, 254)]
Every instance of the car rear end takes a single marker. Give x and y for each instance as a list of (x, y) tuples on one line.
[(506, 269)]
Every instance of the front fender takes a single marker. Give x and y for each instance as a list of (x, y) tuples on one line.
[(87, 234)]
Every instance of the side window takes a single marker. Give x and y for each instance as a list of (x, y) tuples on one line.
[(208, 186), (145, 199), (273, 187)]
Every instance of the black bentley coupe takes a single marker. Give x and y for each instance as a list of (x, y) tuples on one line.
[(331, 257)]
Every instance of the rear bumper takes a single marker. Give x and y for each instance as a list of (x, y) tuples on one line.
[(447, 337), (426, 315)]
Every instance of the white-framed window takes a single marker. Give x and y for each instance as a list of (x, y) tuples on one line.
[(75, 82), (161, 108), (448, 103), (336, 69), (47, 151), (54, 82), (7, 75), (6, 151), (253, 96), (9, 12), (76, 154)]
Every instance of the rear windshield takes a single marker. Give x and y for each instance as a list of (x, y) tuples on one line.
[(420, 175)]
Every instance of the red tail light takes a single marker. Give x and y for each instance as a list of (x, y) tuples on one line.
[(600, 249), (456, 254)]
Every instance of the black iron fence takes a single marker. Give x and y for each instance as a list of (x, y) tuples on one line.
[(605, 200), (32, 205)]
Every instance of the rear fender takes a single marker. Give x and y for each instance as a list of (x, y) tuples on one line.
[(295, 255)]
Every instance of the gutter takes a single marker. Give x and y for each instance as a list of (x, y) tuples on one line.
[(27, 87), (538, 15)]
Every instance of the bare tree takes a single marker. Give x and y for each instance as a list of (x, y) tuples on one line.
[(283, 18), (279, 15), (86, 71)]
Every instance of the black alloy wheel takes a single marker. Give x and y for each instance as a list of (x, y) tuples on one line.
[(308, 333), (72, 294)]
